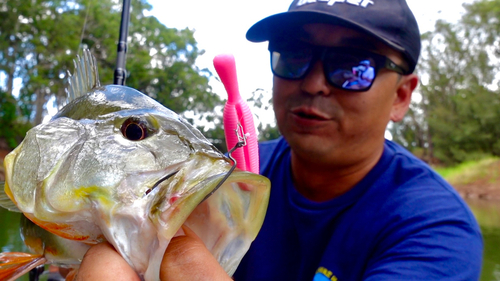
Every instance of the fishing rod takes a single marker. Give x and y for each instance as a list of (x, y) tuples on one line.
[(120, 71), (119, 79)]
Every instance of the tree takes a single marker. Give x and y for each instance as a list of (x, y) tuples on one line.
[(456, 120), (41, 38), (11, 130), (267, 130)]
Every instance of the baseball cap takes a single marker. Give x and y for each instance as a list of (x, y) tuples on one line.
[(391, 21)]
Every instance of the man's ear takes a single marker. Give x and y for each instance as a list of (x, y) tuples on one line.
[(406, 86)]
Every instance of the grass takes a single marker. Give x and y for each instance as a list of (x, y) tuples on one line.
[(485, 170)]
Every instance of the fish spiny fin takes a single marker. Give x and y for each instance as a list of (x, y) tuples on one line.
[(5, 201), (13, 265), (85, 77)]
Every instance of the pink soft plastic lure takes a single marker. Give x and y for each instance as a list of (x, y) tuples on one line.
[(238, 119)]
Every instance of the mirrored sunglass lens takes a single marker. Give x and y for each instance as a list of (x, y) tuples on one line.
[(350, 72), (291, 64)]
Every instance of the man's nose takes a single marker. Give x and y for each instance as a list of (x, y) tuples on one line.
[(315, 82)]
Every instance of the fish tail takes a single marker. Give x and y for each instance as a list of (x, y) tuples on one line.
[(15, 264)]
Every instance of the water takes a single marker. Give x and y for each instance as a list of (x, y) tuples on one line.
[(487, 213), (10, 238)]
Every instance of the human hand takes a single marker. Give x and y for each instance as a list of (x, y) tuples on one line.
[(102, 262), (186, 258)]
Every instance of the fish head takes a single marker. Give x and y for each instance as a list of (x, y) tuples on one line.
[(105, 150), (115, 165), (114, 155)]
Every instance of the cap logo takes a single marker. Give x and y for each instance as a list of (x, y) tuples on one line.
[(361, 3)]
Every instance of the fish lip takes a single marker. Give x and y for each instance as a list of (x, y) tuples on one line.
[(224, 178), (192, 180), (310, 113)]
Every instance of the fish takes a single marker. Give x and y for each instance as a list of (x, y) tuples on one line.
[(115, 165)]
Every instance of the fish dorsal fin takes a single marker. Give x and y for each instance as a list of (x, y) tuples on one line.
[(5, 201), (85, 78)]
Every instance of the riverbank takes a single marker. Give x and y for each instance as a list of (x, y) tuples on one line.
[(475, 180)]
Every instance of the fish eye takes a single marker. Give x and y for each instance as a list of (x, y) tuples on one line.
[(134, 129)]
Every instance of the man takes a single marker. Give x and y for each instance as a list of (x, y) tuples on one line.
[(361, 77), (345, 204)]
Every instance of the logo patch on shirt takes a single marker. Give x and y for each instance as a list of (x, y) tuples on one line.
[(323, 274), (360, 3)]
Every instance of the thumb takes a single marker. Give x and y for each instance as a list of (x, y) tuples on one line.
[(190, 233), (187, 258)]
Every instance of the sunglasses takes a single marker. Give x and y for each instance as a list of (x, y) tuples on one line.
[(345, 68)]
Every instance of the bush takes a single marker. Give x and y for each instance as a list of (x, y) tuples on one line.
[(12, 129)]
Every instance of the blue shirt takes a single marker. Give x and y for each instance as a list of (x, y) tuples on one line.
[(401, 222)]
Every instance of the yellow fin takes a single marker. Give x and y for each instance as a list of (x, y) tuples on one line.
[(13, 264), (5, 201)]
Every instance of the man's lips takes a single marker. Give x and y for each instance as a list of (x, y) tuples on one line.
[(310, 113)]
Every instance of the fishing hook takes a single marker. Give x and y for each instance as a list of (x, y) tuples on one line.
[(238, 145)]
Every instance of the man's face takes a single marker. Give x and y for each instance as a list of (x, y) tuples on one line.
[(329, 125)]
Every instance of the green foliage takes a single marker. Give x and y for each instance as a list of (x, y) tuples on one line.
[(216, 137), (457, 119), (12, 129), (266, 130), (41, 38), (7, 108), (269, 132), (468, 171)]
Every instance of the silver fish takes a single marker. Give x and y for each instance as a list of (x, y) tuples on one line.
[(115, 165)]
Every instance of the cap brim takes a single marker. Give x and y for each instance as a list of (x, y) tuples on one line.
[(277, 25)]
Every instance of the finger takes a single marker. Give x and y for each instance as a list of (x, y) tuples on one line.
[(188, 232), (187, 258), (102, 262)]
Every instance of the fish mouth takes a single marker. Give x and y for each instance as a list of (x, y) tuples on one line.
[(225, 209), (193, 181), (168, 176), (221, 182), (160, 181)]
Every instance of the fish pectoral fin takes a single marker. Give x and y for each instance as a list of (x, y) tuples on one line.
[(14, 264), (5, 201)]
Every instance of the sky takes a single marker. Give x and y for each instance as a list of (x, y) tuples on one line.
[(220, 27)]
